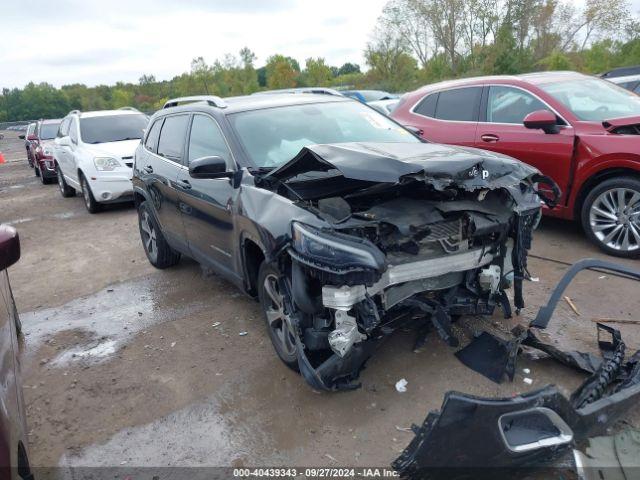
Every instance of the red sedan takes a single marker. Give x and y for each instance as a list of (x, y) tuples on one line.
[(581, 131)]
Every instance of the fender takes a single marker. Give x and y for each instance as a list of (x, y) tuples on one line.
[(588, 168)]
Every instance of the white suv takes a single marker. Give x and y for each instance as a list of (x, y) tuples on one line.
[(94, 152)]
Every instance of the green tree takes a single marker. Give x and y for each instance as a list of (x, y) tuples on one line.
[(281, 72), (317, 73)]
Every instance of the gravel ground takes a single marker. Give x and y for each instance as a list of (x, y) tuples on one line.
[(127, 365)]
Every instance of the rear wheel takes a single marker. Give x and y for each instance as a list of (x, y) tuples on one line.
[(158, 251), (611, 216), (89, 199), (65, 190), (279, 325)]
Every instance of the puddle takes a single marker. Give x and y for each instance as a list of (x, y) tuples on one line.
[(210, 440), (95, 352), (114, 315)]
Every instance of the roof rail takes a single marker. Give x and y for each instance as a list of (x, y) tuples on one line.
[(212, 100), (76, 112), (132, 109)]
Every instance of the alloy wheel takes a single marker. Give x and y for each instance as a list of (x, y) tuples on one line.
[(279, 321), (614, 218), (149, 236), (86, 194)]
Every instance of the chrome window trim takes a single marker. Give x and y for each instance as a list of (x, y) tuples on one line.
[(568, 124)]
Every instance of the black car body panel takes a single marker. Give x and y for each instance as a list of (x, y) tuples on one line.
[(367, 235)]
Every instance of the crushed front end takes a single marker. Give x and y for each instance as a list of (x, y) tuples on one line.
[(439, 239)]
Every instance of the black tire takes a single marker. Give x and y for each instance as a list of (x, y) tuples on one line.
[(89, 200), (158, 251), (282, 338), (36, 169), (611, 216), (65, 190)]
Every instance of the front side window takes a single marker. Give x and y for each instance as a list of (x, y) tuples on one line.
[(273, 136), (511, 105), (171, 142), (112, 128), (593, 99), (206, 140), (459, 104), (48, 131), (73, 131), (64, 128)]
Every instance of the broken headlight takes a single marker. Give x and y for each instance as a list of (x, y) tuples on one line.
[(336, 251)]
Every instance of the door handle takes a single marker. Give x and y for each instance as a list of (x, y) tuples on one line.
[(490, 138), (148, 169), (184, 184)]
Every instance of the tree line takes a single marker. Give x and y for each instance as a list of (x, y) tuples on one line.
[(414, 42)]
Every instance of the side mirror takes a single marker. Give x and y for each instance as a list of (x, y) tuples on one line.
[(64, 141), (21, 136), (32, 138), (542, 119), (417, 131), (9, 246), (209, 167)]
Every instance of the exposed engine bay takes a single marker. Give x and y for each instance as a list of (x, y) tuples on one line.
[(407, 235)]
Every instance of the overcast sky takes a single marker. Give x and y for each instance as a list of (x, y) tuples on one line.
[(67, 41), (91, 42)]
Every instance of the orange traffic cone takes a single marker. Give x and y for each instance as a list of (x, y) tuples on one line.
[(1, 158)]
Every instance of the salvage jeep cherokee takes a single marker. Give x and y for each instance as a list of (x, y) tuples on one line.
[(343, 223)]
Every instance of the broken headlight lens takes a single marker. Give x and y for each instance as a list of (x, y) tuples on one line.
[(337, 250), (105, 164)]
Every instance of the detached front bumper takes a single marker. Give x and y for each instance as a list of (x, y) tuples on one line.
[(108, 187)]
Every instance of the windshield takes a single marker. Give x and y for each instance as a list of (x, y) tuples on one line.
[(112, 128), (272, 137), (594, 99), (49, 131)]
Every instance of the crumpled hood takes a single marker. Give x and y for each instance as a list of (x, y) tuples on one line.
[(126, 148), (439, 165), (613, 123)]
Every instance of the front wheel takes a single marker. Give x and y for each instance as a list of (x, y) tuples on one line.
[(611, 216), (89, 200), (65, 190), (158, 251), (279, 325)]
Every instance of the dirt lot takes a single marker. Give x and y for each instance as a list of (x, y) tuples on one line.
[(124, 364)]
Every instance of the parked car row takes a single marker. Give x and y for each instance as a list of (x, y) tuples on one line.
[(39, 144), (581, 131)]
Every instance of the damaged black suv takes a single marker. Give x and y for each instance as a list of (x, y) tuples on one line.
[(344, 224)]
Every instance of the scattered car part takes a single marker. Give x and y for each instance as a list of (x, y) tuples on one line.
[(471, 432)]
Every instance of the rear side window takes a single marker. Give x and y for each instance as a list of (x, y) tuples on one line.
[(460, 104), (427, 106), (172, 135), (206, 139), (154, 134)]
